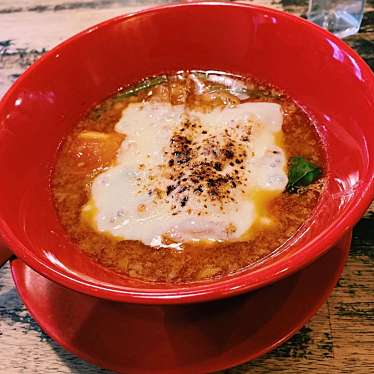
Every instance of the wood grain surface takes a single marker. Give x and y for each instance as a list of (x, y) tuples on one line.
[(339, 339)]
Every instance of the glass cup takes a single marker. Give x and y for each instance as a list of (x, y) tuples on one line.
[(341, 17)]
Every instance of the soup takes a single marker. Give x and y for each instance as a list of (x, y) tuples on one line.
[(188, 176)]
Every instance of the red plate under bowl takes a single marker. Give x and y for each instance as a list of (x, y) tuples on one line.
[(179, 339), (320, 71)]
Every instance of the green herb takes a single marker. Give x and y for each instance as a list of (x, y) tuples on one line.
[(301, 173), (147, 83)]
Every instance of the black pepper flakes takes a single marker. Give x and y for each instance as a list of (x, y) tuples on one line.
[(184, 201), (229, 154), (196, 165), (218, 166), (199, 189), (169, 189)]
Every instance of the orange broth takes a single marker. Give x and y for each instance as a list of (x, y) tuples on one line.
[(84, 155)]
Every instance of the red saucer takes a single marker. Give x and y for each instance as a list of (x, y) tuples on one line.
[(191, 338)]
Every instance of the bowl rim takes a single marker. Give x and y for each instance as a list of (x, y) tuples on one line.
[(215, 289)]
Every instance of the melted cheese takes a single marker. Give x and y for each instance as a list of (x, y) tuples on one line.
[(185, 176)]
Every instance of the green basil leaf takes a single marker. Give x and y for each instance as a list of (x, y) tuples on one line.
[(147, 83), (301, 173)]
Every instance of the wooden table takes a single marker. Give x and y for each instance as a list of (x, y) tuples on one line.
[(339, 339)]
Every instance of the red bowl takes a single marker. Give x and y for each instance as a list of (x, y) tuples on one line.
[(320, 71)]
